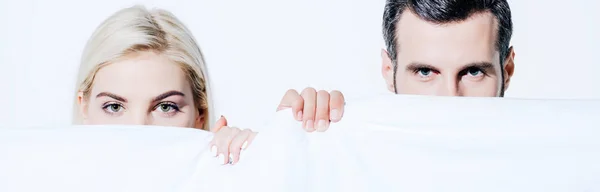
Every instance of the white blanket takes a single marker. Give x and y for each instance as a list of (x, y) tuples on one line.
[(387, 143)]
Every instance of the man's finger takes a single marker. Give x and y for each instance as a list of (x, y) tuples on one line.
[(288, 99), (322, 113), (336, 105), (292, 99), (309, 95), (297, 108)]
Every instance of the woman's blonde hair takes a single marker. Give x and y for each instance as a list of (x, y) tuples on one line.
[(137, 29)]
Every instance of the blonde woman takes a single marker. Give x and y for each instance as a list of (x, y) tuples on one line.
[(143, 67)]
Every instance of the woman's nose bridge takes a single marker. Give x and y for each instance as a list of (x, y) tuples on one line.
[(140, 116)]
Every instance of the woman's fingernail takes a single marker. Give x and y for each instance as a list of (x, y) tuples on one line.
[(322, 125), (299, 116), (213, 150), (222, 158), (310, 125), (335, 114), (244, 145)]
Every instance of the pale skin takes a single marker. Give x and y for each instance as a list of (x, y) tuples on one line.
[(454, 59), (451, 59), (316, 109), (147, 88)]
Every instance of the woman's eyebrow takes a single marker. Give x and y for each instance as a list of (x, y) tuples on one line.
[(111, 95), (167, 94)]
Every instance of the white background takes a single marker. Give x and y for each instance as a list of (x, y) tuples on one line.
[(258, 49)]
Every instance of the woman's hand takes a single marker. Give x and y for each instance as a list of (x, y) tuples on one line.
[(315, 109), (229, 142)]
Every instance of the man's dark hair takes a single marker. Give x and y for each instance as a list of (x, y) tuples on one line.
[(446, 11)]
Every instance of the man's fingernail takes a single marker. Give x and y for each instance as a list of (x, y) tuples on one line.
[(335, 114), (213, 150), (244, 145), (282, 107), (322, 125)]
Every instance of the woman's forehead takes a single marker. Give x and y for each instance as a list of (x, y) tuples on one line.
[(142, 76)]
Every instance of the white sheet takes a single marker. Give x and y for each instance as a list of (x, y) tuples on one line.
[(391, 143)]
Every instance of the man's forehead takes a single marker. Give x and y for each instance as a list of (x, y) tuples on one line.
[(470, 40), (411, 24)]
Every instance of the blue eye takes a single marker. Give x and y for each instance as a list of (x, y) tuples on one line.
[(474, 72), (424, 71)]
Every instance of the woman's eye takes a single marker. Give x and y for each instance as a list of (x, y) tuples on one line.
[(167, 108), (113, 108)]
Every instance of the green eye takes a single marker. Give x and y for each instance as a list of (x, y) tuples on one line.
[(113, 108), (165, 108)]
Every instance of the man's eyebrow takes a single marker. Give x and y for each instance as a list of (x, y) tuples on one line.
[(414, 66), (167, 94), (481, 65), (111, 95), (486, 67)]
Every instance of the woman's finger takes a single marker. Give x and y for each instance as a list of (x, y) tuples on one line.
[(237, 144)]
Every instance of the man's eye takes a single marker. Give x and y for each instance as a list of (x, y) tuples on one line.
[(474, 72), (424, 72)]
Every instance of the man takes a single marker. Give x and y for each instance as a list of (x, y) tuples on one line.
[(448, 47), (437, 47)]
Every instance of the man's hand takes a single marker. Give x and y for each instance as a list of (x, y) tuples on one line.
[(315, 109)]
